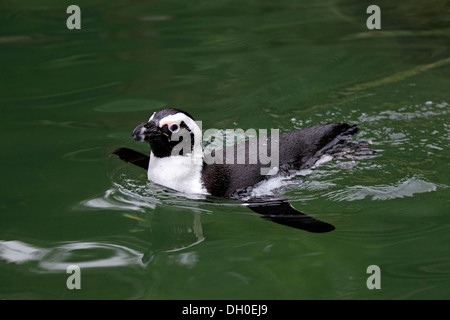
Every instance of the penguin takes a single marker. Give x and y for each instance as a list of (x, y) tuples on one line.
[(179, 161)]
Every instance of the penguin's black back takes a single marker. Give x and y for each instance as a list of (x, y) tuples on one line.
[(298, 150)]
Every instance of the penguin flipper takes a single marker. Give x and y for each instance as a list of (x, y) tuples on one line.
[(131, 156), (282, 212)]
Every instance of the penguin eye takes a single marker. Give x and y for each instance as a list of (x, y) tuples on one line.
[(174, 128)]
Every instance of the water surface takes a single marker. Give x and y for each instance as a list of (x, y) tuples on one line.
[(70, 97)]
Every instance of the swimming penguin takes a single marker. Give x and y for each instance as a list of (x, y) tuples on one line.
[(178, 161)]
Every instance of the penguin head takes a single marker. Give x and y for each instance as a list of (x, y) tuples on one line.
[(170, 132)]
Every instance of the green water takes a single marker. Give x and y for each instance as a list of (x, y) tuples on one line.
[(70, 97)]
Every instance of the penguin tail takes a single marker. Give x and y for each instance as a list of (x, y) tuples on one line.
[(347, 148)]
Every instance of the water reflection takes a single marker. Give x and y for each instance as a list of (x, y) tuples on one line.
[(166, 232), (84, 254), (169, 221), (88, 255)]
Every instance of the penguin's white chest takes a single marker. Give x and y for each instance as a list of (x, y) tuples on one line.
[(180, 173)]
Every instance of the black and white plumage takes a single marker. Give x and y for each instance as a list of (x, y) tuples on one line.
[(177, 161)]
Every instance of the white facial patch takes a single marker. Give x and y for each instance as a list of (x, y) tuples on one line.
[(151, 118), (177, 118), (169, 123)]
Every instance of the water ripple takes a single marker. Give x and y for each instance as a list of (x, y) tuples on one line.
[(61, 256), (406, 187), (140, 196)]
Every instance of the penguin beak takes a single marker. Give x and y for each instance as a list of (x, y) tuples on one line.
[(145, 131)]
